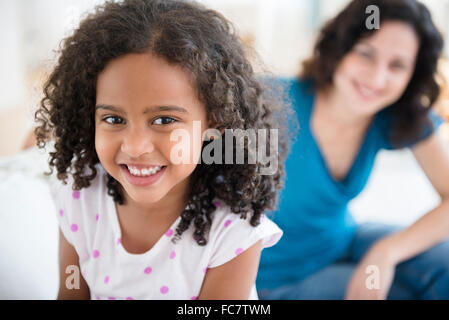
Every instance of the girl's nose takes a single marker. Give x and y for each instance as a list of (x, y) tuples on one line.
[(136, 143)]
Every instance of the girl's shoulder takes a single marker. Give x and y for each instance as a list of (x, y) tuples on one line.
[(230, 234), (78, 210), (61, 191)]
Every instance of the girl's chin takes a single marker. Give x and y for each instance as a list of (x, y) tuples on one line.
[(144, 198)]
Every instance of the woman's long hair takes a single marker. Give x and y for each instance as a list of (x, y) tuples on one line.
[(409, 113)]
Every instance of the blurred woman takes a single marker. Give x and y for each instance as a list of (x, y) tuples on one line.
[(362, 91)]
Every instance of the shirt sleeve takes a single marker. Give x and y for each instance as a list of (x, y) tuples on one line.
[(231, 235), (428, 130), (58, 193)]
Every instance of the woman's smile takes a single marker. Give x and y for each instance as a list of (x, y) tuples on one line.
[(366, 92)]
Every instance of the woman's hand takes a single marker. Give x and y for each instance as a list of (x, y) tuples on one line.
[(374, 274)]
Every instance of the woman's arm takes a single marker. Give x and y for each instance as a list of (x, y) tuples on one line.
[(234, 279), (69, 257), (433, 156)]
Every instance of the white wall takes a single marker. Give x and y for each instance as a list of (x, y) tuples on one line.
[(12, 73)]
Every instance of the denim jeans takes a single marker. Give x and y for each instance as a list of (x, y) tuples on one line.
[(425, 276)]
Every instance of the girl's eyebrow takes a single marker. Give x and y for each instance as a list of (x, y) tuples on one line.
[(146, 110)]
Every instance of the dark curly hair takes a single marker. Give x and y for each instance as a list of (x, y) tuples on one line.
[(204, 43), (339, 35)]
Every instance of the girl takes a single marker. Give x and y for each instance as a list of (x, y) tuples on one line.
[(137, 224), (362, 90)]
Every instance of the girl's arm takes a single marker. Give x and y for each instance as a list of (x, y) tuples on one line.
[(69, 257), (234, 279)]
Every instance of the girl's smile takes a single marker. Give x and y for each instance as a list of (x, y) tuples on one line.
[(144, 177)]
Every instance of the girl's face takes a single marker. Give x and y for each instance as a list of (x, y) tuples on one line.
[(376, 72), (140, 100)]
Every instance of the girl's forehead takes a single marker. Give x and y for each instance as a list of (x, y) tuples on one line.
[(145, 80)]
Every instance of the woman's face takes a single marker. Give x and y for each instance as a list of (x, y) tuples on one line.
[(376, 72), (141, 99)]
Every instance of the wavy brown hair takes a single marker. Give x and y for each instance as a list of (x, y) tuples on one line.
[(409, 113), (204, 43)]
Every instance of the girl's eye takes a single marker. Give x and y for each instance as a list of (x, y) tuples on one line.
[(164, 120), (111, 117)]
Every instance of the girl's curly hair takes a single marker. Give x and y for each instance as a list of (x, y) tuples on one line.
[(409, 114), (204, 43)]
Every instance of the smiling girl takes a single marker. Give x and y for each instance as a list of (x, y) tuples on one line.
[(138, 225)]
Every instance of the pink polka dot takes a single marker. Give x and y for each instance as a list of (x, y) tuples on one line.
[(227, 223), (119, 240), (172, 254), (238, 251), (205, 269), (216, 204), (74, 227), (169, 233), (129, 298), (164, 289), (194, 298), (95, 253), (147, 270), (106, 279), (111, 298), (96, 217), (76, 194), (61, 212), (98, 298)]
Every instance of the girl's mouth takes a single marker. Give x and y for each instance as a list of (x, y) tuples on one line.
[(144, 177)]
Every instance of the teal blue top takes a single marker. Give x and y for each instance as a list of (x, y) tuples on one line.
[(313, 209)]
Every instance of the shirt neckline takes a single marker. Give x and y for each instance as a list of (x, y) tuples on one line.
[(362, 148), (118, 235)]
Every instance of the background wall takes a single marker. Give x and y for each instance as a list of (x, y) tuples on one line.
[(281, 31)]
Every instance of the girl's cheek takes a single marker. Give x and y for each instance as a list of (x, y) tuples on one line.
[(190, 143)]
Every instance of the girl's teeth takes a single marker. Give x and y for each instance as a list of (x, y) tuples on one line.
[(144, 172)]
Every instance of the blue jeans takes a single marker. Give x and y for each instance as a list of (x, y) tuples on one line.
[(425, 276)]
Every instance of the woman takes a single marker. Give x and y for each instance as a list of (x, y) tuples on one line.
[(363, 90)]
